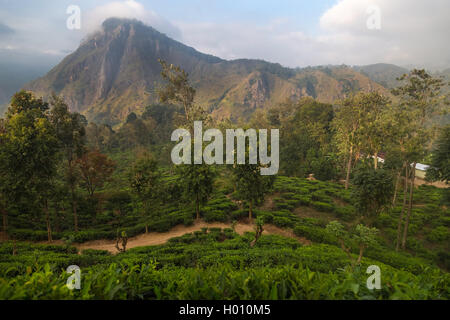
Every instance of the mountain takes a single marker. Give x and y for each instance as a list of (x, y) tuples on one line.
[(116, 71), (382, 73)]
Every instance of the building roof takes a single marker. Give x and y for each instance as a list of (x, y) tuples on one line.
[(421, 167)]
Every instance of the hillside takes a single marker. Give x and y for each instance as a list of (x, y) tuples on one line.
[(197, 260), (116, 71), (382, 73)]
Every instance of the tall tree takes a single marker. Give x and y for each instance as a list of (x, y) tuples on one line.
[(347, 124), (198, 181), (440, 160), (145, 182), (177, 89), (373, 124), (30, 152), (4, 175), (251, 185), (70, 132), (95, 170), (421, 95)]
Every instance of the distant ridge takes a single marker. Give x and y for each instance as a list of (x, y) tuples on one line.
[(116, 71)]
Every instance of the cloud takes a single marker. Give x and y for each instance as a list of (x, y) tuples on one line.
[(128, 9), (5, 30), (411, 33), (273, 42)]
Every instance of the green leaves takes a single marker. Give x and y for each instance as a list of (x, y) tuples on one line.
[(373, 190)]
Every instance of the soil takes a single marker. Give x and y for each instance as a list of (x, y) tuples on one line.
[(153, 239)]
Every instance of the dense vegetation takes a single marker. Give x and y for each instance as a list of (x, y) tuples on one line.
[(66, 180)]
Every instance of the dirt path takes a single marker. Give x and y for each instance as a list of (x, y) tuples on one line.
[(153, 239)]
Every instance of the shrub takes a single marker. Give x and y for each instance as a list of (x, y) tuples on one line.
[(315, 234), (323, 207), (282, 222), (439, 234), (347, 213)]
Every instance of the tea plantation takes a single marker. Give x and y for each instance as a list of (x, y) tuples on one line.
[(221, 264)]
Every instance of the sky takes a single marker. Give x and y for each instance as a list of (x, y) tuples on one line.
[(294, 33)]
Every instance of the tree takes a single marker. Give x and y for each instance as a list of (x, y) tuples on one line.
[(251, 185), (373, 124), (95, 170), (121, 241), (372, 190), (145, 182), (305, 127), (70, 132), (29, 152), (360, 127), (347, 124), (4, 184), (177, 90), (362, 236), (258, 231), (420, 94), (197, 181), (440, 160)]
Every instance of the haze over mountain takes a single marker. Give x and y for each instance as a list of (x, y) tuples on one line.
[(17, 70), (116, 71)]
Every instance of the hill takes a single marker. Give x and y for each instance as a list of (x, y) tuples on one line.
[(382, 73), (116, 71)]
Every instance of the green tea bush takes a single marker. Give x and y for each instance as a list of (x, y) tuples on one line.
[(282, 222), (347, 213), (313, 233), (126, 281), (439, 234), (321, 206)]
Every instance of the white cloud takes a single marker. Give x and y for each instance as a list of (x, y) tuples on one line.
[(128, 9), (412, 33)]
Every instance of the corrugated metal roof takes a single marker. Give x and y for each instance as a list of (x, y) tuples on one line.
[(421, 167)]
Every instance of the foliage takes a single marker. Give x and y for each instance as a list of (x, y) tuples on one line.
[(373, 190), (440, 165), (95, 169)]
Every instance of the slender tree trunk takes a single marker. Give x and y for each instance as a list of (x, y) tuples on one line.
[(5, 222), (47, 220), (346, 250), (400, 220), (145, 213), (361, 252), (349, 167), (397, 182), (250, 210), (57, 218), (197, 207), (411, 192), (258, 234), (74, 209)]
